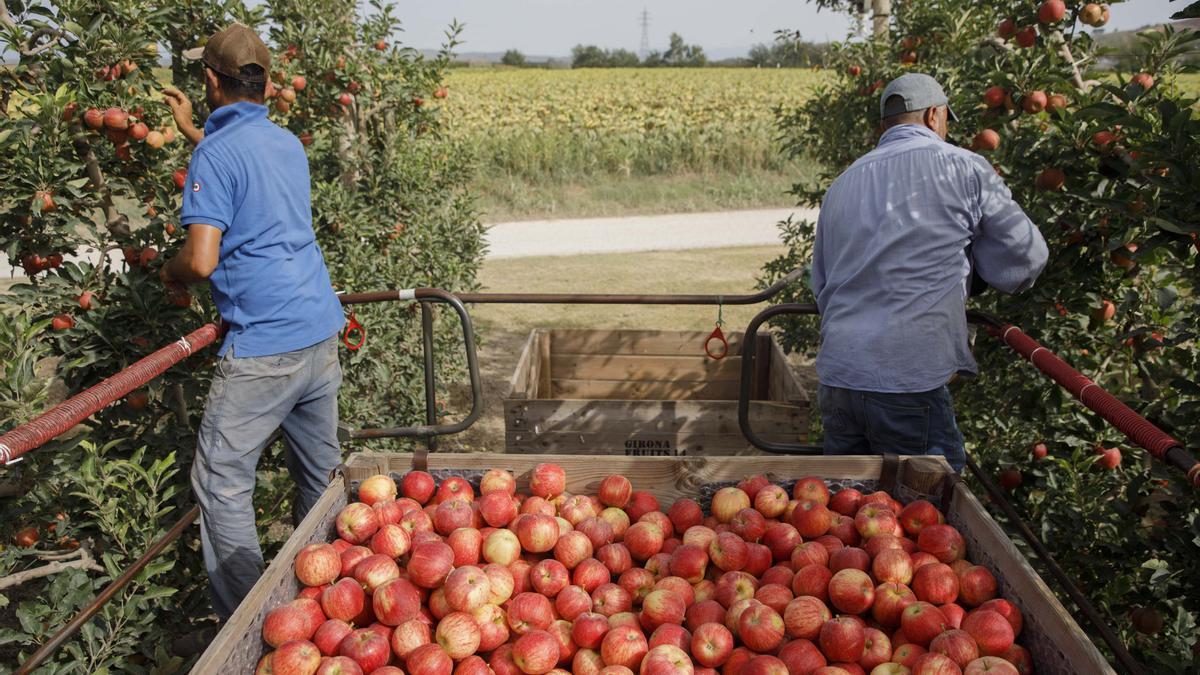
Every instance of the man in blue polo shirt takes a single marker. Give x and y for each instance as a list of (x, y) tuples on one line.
[(247, 211)]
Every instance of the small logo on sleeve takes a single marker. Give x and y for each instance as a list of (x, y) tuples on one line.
[(195, 187)]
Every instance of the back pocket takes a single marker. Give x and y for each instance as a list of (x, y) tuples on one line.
[(896, 427)]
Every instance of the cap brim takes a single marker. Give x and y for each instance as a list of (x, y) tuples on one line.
[(193, 54)]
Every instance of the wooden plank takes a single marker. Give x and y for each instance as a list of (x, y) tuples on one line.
[(519, 383), (785, 386), (545, 373), (718, 417), (238, 646), (535, 364), (637, 443), (646, 389), (642, 367), (645, 342)]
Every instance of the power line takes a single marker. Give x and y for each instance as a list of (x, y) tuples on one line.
[(644, 50)]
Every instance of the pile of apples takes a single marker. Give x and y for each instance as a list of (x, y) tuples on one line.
[(435, 579)]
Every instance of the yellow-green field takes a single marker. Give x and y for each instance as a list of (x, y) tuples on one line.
[(565, 142)]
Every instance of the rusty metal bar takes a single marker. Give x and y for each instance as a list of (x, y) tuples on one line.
[(73, 626), (580, 298)]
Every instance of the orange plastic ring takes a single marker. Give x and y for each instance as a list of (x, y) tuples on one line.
[(717, 334)]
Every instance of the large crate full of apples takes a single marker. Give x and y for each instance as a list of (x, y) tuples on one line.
[(533, 564)]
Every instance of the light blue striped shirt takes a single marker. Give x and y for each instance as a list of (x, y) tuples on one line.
[(895, 241)]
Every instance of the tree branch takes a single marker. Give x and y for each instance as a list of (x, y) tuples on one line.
[(29, 49), (1076, 76), (80, 559), (996, 43), (114, 220)]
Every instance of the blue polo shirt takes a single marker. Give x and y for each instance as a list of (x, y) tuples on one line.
[(249, 178)]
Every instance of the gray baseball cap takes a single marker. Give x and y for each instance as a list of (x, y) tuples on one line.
[(916, 91)]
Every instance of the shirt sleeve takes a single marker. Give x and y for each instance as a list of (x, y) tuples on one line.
[(817, 269), (1008, 249), (207, 198)]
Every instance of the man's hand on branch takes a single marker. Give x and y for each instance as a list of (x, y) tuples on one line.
[(181, 110)]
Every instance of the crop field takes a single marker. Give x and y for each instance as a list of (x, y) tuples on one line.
[(584, 142)]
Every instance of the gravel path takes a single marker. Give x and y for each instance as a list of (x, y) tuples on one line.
[(638, 233)]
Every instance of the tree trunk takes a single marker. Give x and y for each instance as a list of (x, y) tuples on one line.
[(882, 11)]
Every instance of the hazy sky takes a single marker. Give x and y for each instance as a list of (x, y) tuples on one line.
[(552, 27)]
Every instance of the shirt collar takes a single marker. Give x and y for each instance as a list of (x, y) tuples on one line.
[(906, 131), (233, 113)]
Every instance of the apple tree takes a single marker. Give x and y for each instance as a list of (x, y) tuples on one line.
[(93, 168), (1105, 164)]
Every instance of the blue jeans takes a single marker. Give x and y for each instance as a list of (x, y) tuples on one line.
[(871, 423), (249, 399)]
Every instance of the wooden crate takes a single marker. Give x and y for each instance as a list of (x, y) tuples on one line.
[(655, 393), (1050, 633)]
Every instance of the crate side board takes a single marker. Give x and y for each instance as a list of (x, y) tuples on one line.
[(239, 645), (644, 342)]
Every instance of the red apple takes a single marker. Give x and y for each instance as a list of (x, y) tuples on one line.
[(666, 660), (497, 480), (430, 564), (801, 656), (877, 649), (472, 665), (811, 519), (590, 575), (1019, 657), (356, 523), (727, 502), (890, 601), (671, 634), (343, 600), (330, 634), (1050, 11), (685, 513), (429, 659), (296, 656), (589, 629), (782, 539), (467, 589), (976, 586), (689, 562), (395, 602), (761, 628), (409, 635), (921, 622), (843, 639), (318, 565), (845, 501), (624, 646), (615, 490), (417, 485), (643, 540), (956, 644), (919, 514), (391, 540), (367, 647), (991, 631), (873, 519), (376, 570), (907, 654), (758, 559), (528, 612), (641, 503), (771, 501), (942, 542), (493, 627), (377, 488), (497, 508), (990, 665), (936, 584), (712, 643), (587, 662), (458, 635), (1007, 610), (547, 480), (843, 529), (661, 607), (812, 580), (609, 598), (548, 577), (1027, 36), (615, 557), (454, 487), (537, 533)]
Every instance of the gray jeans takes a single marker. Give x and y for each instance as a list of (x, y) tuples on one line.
[(249, 399)]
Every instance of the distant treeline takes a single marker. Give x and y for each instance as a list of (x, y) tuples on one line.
[(783, 53)]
